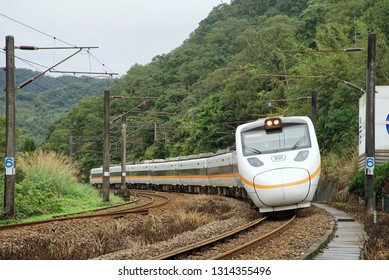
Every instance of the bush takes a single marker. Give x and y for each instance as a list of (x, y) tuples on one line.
[(381, 181), (48, 185), (357, 184)]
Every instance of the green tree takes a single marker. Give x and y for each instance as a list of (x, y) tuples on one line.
[(29, 145)]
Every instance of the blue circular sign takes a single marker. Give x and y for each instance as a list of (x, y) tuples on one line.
[(9, 162), (370, 162)]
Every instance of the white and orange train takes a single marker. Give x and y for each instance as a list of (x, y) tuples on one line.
[(276, 165)]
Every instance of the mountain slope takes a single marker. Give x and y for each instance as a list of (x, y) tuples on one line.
[(236, 63), (41, 103)]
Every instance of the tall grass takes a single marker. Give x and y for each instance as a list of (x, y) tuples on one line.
[(47, 184), (338, 171)]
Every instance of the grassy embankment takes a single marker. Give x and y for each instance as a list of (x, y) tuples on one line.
[(47, 184)]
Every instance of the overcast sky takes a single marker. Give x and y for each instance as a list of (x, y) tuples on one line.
[(126, 31)]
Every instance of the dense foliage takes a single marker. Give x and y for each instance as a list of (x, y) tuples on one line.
[(228, 72), (381, 181)]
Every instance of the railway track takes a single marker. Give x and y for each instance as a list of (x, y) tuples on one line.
[(229, 253), (248, 245), (105, 212)]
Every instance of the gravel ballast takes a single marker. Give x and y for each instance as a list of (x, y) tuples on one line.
[(186, 219)]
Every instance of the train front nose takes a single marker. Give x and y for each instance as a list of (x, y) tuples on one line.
[(282, 186)]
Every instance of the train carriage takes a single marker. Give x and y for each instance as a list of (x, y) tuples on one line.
[(95, 177), (138, 174), (192, 172), (220, 170), (165, 173)]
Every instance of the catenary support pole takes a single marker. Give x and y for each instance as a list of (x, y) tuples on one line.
[(124, 152), (9, 192), (106, 154), (71, 145), (370, 125)]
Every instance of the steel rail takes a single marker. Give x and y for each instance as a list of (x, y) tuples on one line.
[(96, 210), (102, 215), (248, 245), (141, 209), (207, 242)]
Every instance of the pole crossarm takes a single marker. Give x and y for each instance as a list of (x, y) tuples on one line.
[(34, 48), (51, 69), (133, 97), (44, 72), (130, 111), (326, 51), (326, 74), (83, 72)]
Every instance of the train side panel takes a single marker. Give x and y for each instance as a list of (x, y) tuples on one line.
[(192, 172), (165, 173), (220, 170), (96, 177)]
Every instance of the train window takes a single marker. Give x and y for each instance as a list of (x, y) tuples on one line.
[(293, 136)]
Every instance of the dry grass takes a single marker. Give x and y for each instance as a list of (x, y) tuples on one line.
[(338, 170), (214, 206), (89, 239), (162, 227), (50, 161), (159, 226)]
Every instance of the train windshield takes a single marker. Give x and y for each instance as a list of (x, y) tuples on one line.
[(292, 136)]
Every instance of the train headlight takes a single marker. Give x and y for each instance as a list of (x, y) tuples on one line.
[(273, 123), (301, 156), (255, 162)]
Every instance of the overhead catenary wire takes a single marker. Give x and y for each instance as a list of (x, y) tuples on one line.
[(288, 52), (35, 29), (327, 74), (143, 103), (57, 39), (37, 65)]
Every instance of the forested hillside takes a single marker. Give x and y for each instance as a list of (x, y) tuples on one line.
[(41, 103), (229, 69)]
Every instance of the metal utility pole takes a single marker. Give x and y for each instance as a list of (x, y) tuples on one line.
[(71, 145), (155, 131), (106, 154), (314, 107), (370, 202), (9, 191), (124, 143)]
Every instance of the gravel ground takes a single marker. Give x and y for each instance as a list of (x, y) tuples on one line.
[(186, 219), (310, 226)]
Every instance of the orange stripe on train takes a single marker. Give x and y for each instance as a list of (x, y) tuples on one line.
[(291, 184)]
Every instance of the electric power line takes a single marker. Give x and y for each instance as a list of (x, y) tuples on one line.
[(54, 38)]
